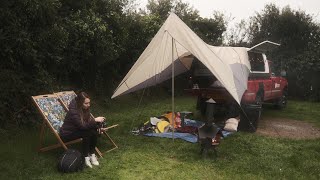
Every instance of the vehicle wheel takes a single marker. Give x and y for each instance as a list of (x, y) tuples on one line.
[(282, 101)]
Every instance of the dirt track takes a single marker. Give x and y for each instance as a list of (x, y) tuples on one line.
[(287, 128)]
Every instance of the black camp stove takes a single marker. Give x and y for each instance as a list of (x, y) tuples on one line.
[(209, 134), (209, 138)]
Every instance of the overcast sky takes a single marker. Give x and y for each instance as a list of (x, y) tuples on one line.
[(243, 9)]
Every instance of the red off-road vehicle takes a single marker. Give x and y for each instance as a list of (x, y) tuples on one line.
[(264, 85)]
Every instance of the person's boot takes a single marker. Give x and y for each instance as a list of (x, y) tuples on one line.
[(87, 161), (93, 159)]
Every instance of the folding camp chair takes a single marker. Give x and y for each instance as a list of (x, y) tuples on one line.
[(67, 96), (53, 112)]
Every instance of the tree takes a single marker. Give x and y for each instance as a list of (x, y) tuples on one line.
[(299, 38), (160, 8), (50, 44), (238, 35), (209, 29)]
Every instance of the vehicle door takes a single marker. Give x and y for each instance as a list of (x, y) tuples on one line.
[(270, 82), (276, 84)]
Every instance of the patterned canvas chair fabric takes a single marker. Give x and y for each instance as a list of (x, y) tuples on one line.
[(53, 110), (66, 97)]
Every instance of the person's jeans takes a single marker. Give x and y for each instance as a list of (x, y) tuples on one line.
[(89, 140)]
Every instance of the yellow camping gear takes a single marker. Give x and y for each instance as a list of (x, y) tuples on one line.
[(161, 126)]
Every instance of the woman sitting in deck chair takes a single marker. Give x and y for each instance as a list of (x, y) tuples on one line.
[(79, 123)]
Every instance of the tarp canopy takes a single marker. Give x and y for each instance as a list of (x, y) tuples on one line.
[(176, 44), (238, 61)]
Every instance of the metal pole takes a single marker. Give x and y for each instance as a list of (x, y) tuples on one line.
[(172, 86)]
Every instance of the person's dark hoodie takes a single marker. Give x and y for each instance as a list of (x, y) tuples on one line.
[(72, 121)]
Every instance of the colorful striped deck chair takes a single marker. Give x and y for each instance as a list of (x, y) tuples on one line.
[(53, 113)]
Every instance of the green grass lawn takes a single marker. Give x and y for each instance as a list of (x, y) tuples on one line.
[(240, 156), (298, 110)]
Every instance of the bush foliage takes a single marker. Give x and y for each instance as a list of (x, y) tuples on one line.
[(53, 45)]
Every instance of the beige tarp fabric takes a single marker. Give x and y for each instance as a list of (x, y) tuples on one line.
[(237, 58), (174, 43)]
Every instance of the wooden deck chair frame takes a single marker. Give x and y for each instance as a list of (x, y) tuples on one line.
[(66, 102), (46, 123)]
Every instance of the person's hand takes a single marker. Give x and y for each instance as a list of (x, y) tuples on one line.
[(101, 130), (100, 119)]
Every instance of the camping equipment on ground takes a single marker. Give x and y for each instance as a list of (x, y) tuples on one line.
[(187, 136), (209, 137), (210, 109), (160, 124), (154, 120), (231, 125), (177, 135), (209, 134), (188, 132), (253, 112), (71, 161), (183, 115), (188, 129)]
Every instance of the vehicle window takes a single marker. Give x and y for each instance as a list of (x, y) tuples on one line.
[(273, 70), (256, 61)]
